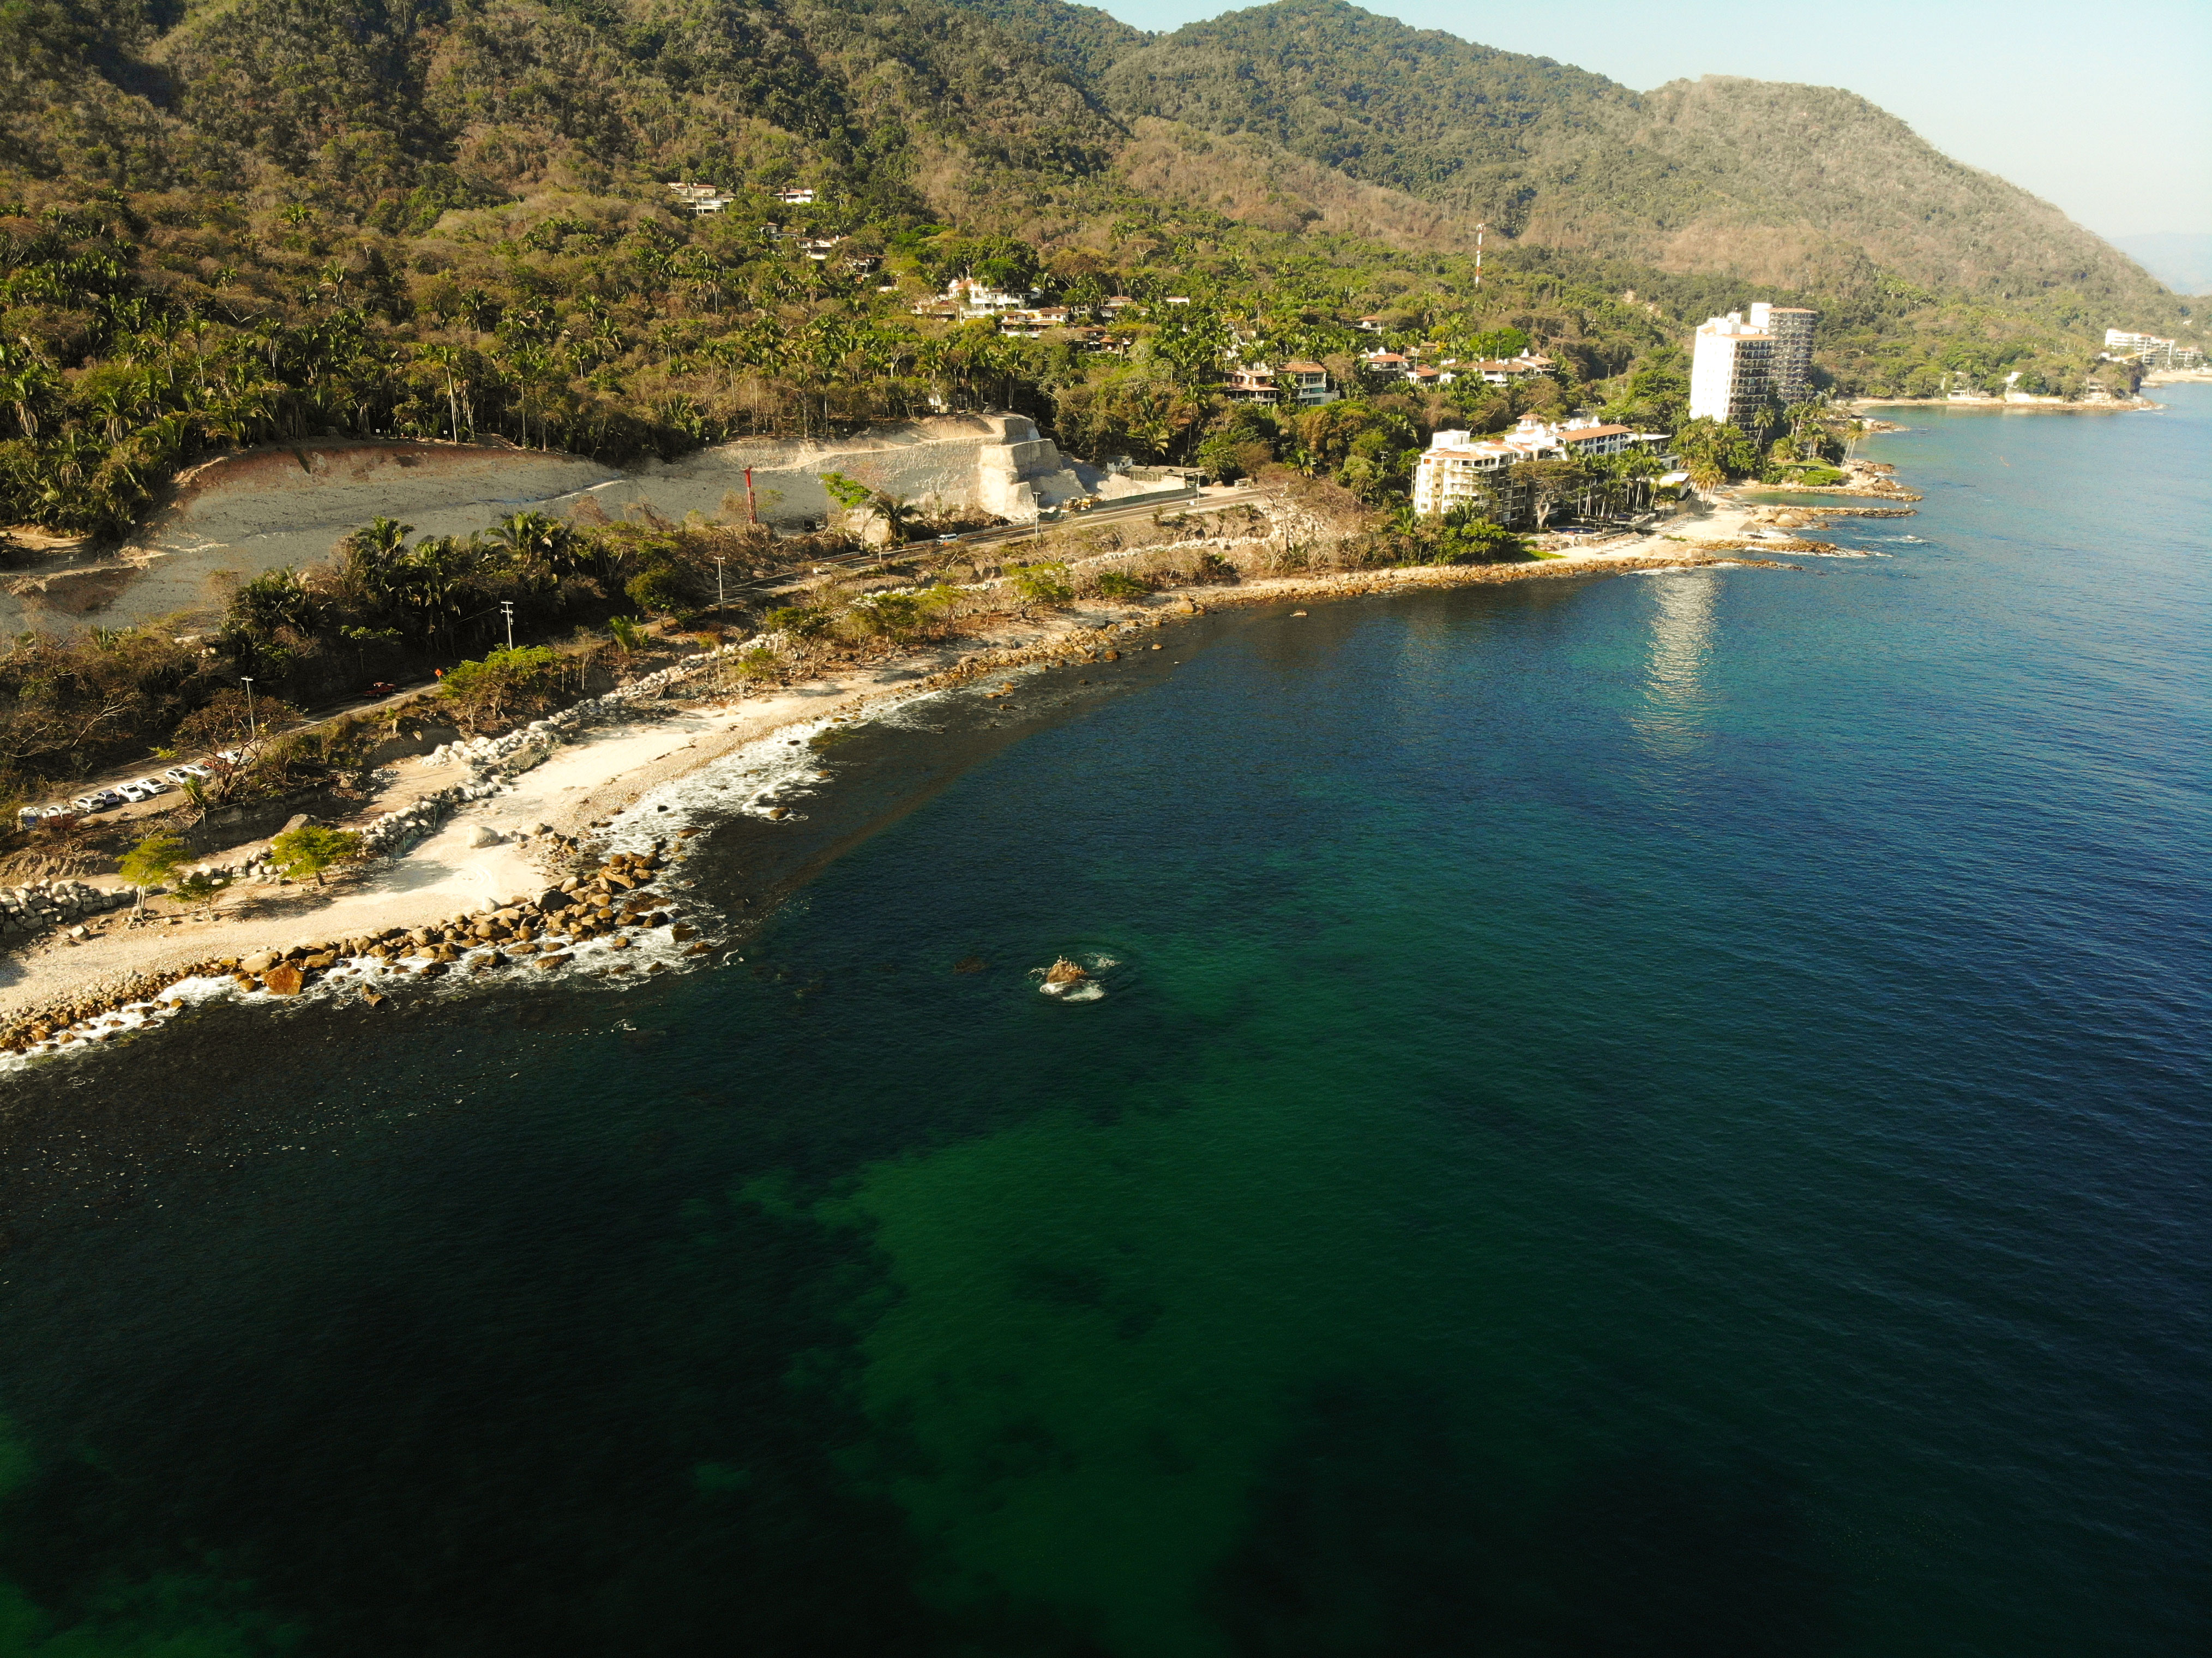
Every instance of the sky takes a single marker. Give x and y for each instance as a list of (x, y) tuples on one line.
[(2064, 100)]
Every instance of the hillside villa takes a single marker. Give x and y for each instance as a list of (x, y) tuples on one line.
[(1305, 384)]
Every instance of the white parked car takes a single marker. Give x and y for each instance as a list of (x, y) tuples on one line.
[(98, 800), (187, 774), (150, 785)]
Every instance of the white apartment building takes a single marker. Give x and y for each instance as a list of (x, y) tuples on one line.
[(2120, 340), (2151, 350), (1731, 369), (1454, 469)]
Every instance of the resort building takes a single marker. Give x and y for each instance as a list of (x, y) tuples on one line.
[(1730, 371), (2151, 350), (1456, 467)]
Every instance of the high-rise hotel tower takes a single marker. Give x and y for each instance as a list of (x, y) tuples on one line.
[(1741, 361)]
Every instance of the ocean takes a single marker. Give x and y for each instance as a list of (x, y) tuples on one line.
[(1655, 1116)]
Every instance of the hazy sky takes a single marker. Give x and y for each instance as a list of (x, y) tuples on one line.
[(2091, 106)]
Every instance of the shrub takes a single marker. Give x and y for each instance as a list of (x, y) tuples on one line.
[(664, 589), (1462, 539), (225, 723), (1120, 583), (1043, 584), (799, 621), (199, 889), (311, 849), (154, 860), (505, 682)]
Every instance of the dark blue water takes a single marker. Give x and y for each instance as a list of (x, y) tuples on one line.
[(1655, 1116)]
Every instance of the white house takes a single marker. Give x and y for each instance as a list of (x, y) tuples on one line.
[(702, 200), (980, 299)]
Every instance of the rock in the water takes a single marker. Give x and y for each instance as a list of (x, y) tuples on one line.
[(260, 964), (284, 981), (1064, 972)]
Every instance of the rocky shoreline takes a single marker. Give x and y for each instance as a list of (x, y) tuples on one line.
[(544, 931), (610, 903)]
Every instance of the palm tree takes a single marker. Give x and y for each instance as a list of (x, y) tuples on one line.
[(447, 361), (372, 552)]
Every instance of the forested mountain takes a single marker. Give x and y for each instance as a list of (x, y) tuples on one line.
[(226, 220), (1807, 187)]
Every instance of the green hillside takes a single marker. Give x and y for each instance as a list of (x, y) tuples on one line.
[(225, 222)]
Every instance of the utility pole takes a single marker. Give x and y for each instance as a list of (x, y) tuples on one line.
[(252, 726), (718, 583), (1478, 229), (507, 605)]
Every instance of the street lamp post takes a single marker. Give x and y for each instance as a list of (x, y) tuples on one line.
[(252, 726), (718, 583), (507, 605)]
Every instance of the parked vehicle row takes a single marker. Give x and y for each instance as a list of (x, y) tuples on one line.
[(122, 794)]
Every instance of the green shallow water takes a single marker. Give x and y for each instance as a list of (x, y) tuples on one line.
[(1656, 1115)]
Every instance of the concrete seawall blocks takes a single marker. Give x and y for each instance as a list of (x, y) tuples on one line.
[(27, 912)]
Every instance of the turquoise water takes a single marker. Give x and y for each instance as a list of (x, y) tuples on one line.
[(1654, 1115)]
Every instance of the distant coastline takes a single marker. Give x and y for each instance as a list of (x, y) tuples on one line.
[(2119, 406)]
